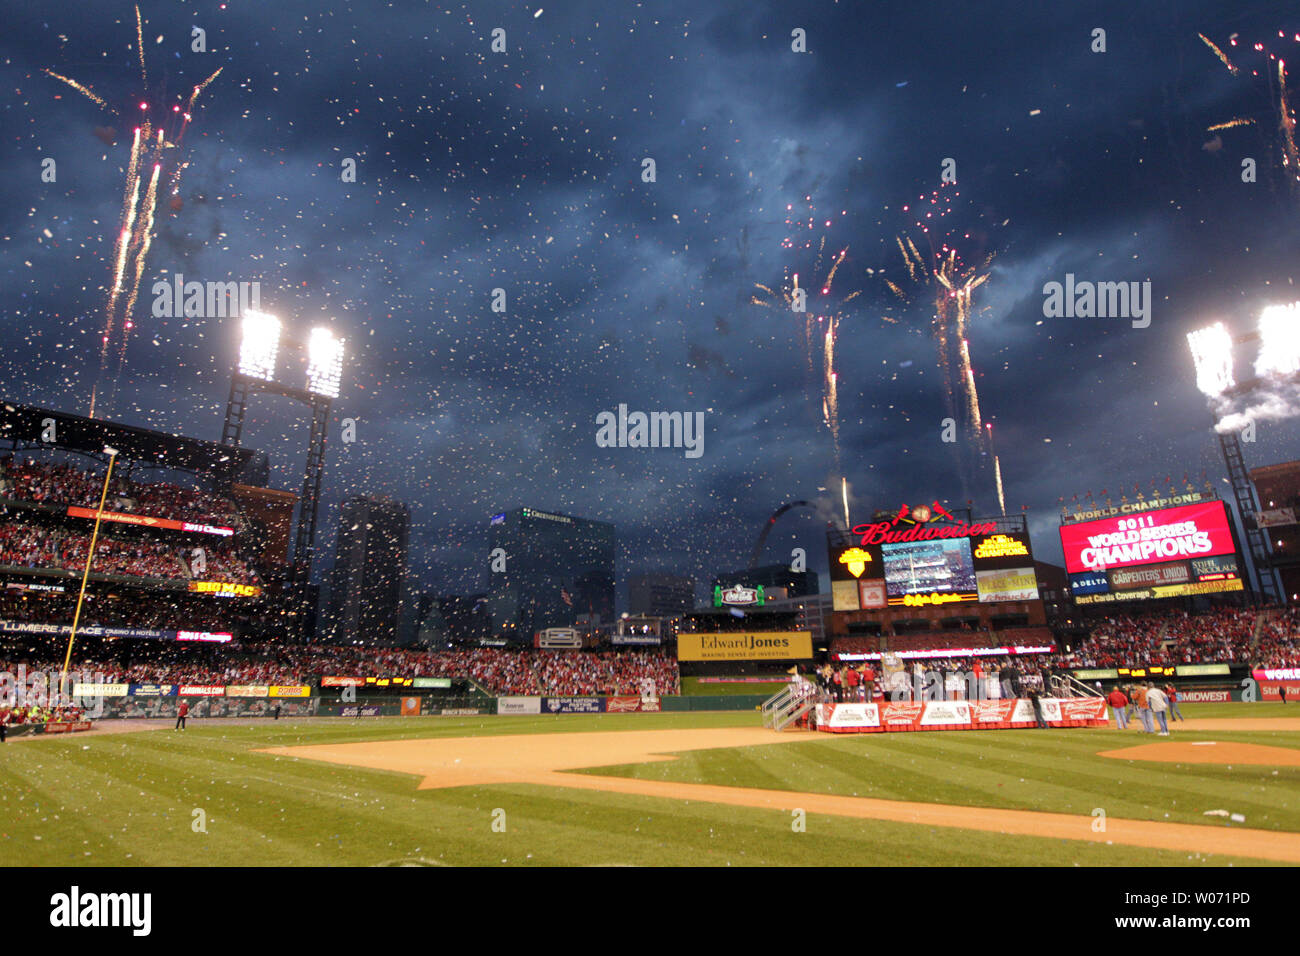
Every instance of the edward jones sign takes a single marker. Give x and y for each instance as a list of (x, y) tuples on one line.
[(745, 646)]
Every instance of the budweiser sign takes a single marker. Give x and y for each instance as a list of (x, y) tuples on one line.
[(886, 532)]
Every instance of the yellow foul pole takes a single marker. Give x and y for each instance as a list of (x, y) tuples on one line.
[(85, 575)]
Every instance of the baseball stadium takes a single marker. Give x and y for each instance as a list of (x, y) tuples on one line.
[(940, 709)]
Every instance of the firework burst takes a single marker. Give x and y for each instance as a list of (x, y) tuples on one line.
[(151, 150), (941, 271), (937, 274), (820, 305), (1275, 75)]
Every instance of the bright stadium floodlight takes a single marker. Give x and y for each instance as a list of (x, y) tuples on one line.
[(324, 363), (260, 346), (1212, 352), (1279, 341)]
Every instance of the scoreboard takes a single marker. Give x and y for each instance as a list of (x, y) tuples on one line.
[(1167, 552)]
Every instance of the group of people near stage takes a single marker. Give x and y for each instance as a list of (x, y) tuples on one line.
[(1149, 702), (943, 678)]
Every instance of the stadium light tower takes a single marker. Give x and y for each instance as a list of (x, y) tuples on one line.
[(259, 358), (1278, 359)]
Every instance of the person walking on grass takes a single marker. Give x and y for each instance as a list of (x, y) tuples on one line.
[(182, 712), (1159, 704), (1119, 703)]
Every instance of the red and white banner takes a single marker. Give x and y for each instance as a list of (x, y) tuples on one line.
[(839, 717), (1149, 537), (960, 715), (945, 713), (1271, 690), (631, 705), (67, 726)]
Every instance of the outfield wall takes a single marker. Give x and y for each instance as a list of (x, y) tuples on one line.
[(166, 705)]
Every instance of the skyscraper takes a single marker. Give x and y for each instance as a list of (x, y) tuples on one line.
[(660, 595), (368, 592), (557, 568)]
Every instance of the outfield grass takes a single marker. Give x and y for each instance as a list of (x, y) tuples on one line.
[(691, 687), (129, 799)]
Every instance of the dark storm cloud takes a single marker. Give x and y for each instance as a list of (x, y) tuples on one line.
[(522, 172)]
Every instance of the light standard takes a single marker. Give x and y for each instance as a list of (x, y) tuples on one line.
[(90, 557)]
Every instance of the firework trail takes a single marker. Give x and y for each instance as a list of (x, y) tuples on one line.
[(150, 146), (1286, 121), (937, 269), (951, 283), (83, 90), (1219, 53), (821, 314)]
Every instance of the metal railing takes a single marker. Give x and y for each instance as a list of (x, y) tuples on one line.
[(1065, 685), (788, 705)]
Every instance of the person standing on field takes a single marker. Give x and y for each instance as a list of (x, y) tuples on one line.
[(1172, 694), (1143, 709), (1119, 704), (182, 712), (1159, 704)]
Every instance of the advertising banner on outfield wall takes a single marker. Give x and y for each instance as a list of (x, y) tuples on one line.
[(410, 707), (154, 690), (1204, 696), (247, 690), (573, 705), (745, 646), (1272, 689), (280, 690), (202, 707), (631, 705), (519, 705)]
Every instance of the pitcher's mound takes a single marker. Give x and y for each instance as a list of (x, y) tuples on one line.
[(1209, 751)]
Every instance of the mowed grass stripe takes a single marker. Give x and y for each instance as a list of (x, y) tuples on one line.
[(1055, 771), (651, 831)]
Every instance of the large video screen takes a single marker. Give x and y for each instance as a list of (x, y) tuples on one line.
[(1171, 552), (989, 568), (942, 566)]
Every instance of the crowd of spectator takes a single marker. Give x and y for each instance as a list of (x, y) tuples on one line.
[(496, 670), (46, 482), (38, 714), (1279, 640), (1168, 637), (24, 545), (158, 612)]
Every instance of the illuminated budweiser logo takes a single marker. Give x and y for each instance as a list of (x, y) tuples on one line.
[(855, 559)]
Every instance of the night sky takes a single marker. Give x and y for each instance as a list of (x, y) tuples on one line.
[(523, 170)]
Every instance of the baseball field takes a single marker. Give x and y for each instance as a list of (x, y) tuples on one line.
[(711, 789)]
